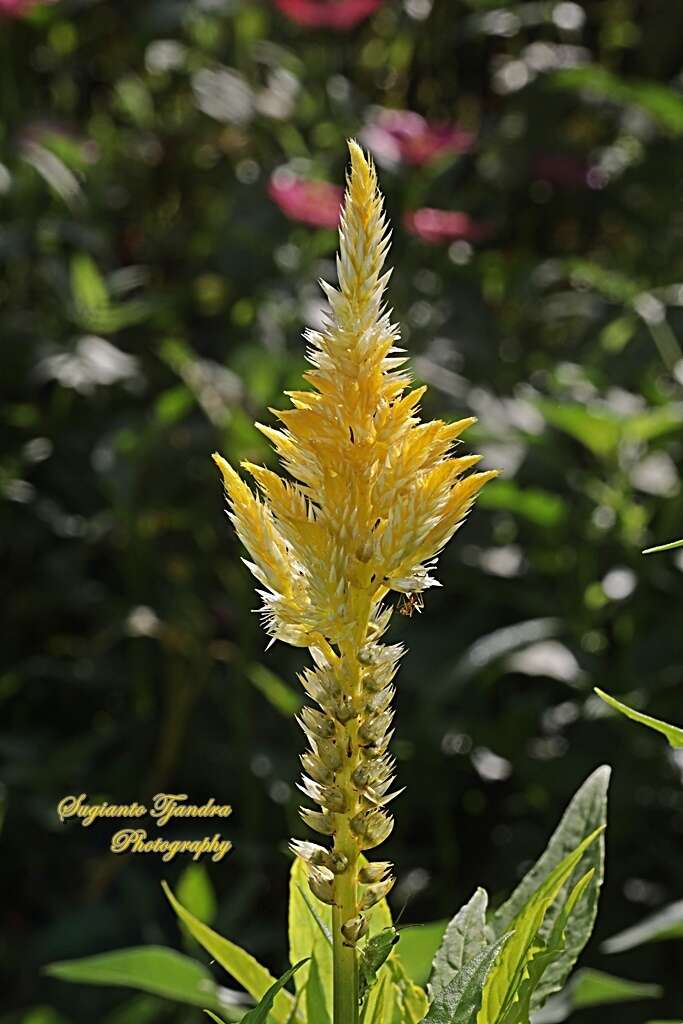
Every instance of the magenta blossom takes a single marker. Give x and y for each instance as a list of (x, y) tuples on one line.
[(312, 202), (560, 169), (397, 136), (15, 8), (444, 226), (336, 14)]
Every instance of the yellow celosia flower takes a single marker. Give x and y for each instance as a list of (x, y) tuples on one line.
[(373, 496)]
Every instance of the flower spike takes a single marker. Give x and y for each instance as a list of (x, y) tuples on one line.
[(372, 496)]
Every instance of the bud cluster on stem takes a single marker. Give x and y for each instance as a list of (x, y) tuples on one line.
[(373, 496)]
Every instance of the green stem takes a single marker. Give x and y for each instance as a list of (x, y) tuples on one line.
[(345, 959), (345, 963)]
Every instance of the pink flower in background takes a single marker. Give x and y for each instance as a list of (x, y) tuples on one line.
[(444, 226), (337, 14), (15, 8), (397, 136), (560, 169), (312, 202)]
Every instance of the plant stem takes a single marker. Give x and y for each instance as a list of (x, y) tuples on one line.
[(345, 964), (345, 961)]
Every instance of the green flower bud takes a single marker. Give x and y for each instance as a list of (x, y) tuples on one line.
[(319, 821), (321, 884), (318, 724), (344, 710), (316, 769), (371, 873), (380, 700), (374, 893), (337, 862), (372, 827), (354, 929), (329, 754), (310, 852), (362, 775), (333, 799), (374, 728), (373, 681), (367, 655)]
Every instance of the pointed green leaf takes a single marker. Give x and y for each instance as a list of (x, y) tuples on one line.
[(459, 1002), (672, 732), (503, 984), (280, 694), (316, 1007), (586, 812), (465, 936), (593, 988), (664, 924), (664, 547), (663, 103), (541, 507), (306, 934), (236, 961), (88, 289), (542, 956), (599, 430), (154, 969), (259, 1014)]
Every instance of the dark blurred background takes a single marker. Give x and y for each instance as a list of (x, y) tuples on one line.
[(169, 187)]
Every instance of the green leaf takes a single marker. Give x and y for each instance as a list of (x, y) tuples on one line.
[(664, 924), (672, 732), (664, 547), (316, 1007), (663, 104), (459, 1002), (542, 956), (613, 285), (236, 961), (379, 1008), (538, 506), (593, 988), (306, 936), (196, 893), (89, 291), (419, 943), (410, 999), (283, 697), (597, 429), (42, 1015), (502, 988), (464, 938), (155, 969), (259, 1014), (173, 404), (654, 423), (586, 812)]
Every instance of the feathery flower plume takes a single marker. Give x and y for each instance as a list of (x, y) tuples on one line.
[(371, 497)]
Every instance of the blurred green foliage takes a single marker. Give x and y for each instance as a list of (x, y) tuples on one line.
[(152, 303)]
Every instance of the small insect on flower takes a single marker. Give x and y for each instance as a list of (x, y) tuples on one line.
[(410, 603)]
